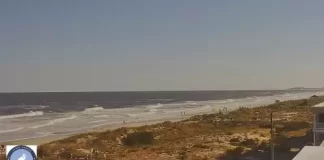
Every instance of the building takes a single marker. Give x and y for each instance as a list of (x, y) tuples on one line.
[(316, 151), (318, 128), (310, 153)]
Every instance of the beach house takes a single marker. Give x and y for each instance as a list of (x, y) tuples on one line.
[(316, 151), (318, 128)]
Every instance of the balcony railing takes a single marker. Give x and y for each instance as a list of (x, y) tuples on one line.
[(319, 126)]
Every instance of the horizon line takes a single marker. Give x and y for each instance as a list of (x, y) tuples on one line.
[(94, 91)]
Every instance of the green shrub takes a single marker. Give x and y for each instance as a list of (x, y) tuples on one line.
[(304, 103), (264, 145), (279, 128), (138, 138), (65, 155), (200, 146), (235, 152), (183, 155), (249, 143), (234, 140)]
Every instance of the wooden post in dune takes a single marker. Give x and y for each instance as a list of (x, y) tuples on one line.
[(272, 141)]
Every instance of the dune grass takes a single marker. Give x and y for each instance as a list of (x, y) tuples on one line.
[(227, 134)]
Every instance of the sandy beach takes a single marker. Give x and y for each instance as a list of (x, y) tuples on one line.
[(39, 125), (244, 132), (47, 139), (176, 116)]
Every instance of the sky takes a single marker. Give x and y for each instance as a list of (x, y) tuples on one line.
[(128, 45)]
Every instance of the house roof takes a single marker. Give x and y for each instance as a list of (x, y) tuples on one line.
[(322, 144), (310, 153), (319, 105)]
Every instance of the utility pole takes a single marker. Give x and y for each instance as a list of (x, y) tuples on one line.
[(272, 139)]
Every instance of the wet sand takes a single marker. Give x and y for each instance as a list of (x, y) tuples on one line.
[(47, 139)]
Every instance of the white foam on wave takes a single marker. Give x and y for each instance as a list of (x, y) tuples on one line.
[(35, 107), (131, 115), (192, 103), (153, 110), (54, 122), (225, 101), (159, 105), (93, 109), (11, 130), (29, 114), (149, 113)]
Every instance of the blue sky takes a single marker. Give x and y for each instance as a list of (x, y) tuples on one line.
[(111, 45)]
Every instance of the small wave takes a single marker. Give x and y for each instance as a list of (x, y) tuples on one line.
[(225, 101), (93, 109), (286, 95), (131, 115), (191, 103), (29, 114), (11, 130), (159, 105), (152, 100), (102, 116), (43, 107), (54, 121), (35, 107), (153, 110)]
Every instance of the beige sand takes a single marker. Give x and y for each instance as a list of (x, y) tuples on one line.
[(43, 140)]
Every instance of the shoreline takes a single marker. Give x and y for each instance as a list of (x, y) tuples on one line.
[(240, 133), (50, 138)]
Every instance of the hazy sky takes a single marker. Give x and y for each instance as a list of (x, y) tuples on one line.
[(98, 45)]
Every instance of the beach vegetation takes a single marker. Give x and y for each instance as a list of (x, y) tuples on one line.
[(138, 138), (241, 132)]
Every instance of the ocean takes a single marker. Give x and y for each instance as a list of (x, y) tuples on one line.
[(31, 115)]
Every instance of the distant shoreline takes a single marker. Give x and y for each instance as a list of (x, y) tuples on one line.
[(305, 89), (140, 91)]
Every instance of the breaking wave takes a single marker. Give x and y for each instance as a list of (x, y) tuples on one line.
[(54, 121), (159, 105), (36, 107), (153, 110), (11, 130), (93, 109), (190, 103), (225, 101), (29, 114), (131, 115)]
